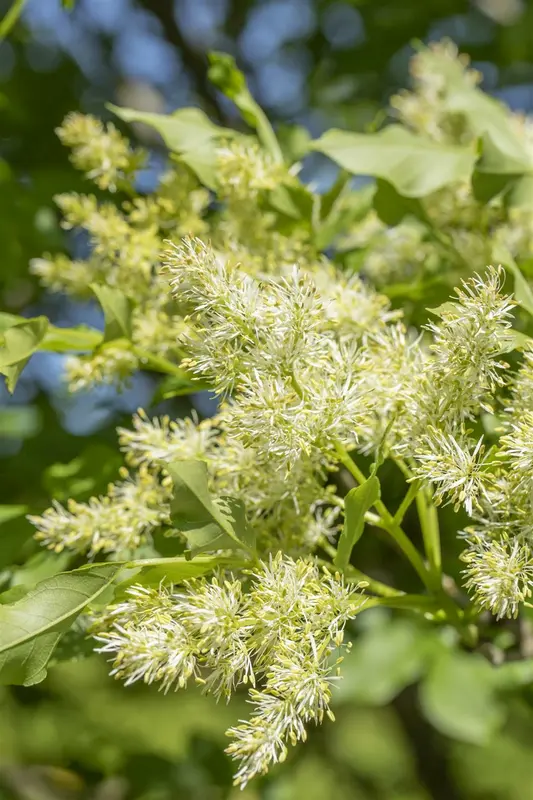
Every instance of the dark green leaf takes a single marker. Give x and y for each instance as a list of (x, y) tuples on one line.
[(207, 524), (415, 166), (391, 207), (15, 530), (31, 627), (356, 503), (88, 474), (459, 698), (117, 312)]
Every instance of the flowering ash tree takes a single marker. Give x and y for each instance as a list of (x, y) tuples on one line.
[(220, 280)]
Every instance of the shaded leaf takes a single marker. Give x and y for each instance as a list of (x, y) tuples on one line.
[(391, 207), (356, 503), (88, 474), (459, 697), (383, 661), (415, 166), (207, 524), (15, 530), (117, 310)]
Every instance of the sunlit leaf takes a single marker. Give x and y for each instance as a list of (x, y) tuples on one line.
[(18, 342), (356, 503), (414, 165), (188, 132), (31, 627)]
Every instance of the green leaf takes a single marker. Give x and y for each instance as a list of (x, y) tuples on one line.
[(293, 200), (459, 697), (174, 386), (31, 627), (383, 661), (505, 166), (344, 213), (18, 341), (172, 570), (188, 132), (448, 306), (7, 513), (226, 76), (207, 524), (294, 142), (522, 290), (117, 312), (356, 503), (391, 207), (415, 166), (87, 474), (19, 422), (15, 530), (66, 340), (513, 674)]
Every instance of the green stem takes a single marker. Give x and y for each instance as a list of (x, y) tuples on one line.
[(387, 521), (413, 602), (429, 523), (353, 574), (11, 18), (266, 134), (406, 502), (161, 364)]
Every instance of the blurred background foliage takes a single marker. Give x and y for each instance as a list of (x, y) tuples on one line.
[(415, 720)]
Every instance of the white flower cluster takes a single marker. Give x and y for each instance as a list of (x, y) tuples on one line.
[(117, 523), (279, 636)]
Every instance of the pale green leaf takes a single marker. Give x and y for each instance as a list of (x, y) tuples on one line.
[(65, 340), (188, 132), (414, 165), (18, 342), (356, 503), (523, 293), (459, 697), (31, 627)]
